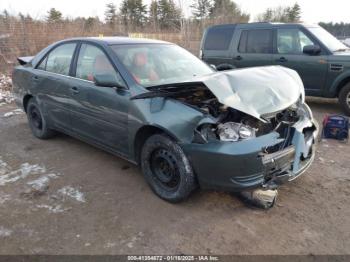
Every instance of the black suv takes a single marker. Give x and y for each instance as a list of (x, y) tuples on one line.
[(321, 60)]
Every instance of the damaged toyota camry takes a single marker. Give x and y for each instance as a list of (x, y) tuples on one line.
[(158, 106)]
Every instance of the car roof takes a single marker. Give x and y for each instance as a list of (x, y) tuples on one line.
[(261, 25), (118, 40)]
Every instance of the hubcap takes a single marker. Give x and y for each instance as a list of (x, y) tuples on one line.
[(164, 168), (36, 118), (348, 99)]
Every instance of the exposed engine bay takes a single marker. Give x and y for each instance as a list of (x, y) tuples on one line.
[(231, 125)]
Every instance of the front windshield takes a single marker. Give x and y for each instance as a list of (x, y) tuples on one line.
[(327, 39), (158, 64)]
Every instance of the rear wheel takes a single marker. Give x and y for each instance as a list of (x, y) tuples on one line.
[(167, 169), (37, 122), (344, 98)]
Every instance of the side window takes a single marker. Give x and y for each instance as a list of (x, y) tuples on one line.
[(243, 42), (58, 61), (292, 41), (218, 38), (259, 41), (92, 61)]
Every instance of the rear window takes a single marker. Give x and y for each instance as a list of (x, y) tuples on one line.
[(256, 41), (218, 38)]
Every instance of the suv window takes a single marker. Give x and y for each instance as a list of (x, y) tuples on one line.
[(292, 41), (256, 41), (93, 61), (218, 38), (59, 59)]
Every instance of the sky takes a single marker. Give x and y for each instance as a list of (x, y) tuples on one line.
[(313, 11)]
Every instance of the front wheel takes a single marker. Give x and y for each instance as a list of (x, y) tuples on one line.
[(344, 98), (37, 122), (167, 169)]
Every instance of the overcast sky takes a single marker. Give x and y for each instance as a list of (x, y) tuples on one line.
[(313, 11)]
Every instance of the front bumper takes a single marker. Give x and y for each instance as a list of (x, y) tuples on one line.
[(245, 165)]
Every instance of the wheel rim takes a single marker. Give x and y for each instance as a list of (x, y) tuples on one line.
[(35, 118), (348, 99), (165, 169)]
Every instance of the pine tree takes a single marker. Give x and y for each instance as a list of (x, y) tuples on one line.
[(54, 16), (169, 15), (111, 15), (133, 13), (228, 10), (201, 8), (294, 13), (153, 14)]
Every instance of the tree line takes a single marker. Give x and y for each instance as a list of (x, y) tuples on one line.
[(133, 15)]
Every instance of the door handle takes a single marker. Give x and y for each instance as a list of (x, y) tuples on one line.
[(282, 59), (74, 90), (238, 58)]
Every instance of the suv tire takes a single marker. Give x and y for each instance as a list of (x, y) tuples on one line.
[(344, 98)]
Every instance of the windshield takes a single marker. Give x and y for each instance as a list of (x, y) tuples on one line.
[(158, 64), (327, 39)]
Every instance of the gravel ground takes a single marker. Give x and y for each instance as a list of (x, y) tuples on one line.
[(62, 196)]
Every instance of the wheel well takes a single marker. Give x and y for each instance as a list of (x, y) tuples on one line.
[(142, 135), (25, 101), (342, 84)]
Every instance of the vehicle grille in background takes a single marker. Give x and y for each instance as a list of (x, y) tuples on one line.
[(336, 67)]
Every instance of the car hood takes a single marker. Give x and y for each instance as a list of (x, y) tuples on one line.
[(256, 91)]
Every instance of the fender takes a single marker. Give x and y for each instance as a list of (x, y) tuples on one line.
[(334, 90)]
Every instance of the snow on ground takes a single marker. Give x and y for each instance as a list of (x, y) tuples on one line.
[(34, 181), (72, 193)]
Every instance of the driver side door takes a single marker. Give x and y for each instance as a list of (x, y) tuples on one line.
[(99, 114)]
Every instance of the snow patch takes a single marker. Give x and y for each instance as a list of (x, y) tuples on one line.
[(4, 198), (4, 232), (72, 193), (14, 112), (52, 209), (26, 169)]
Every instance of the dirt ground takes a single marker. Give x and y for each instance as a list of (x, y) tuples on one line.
[(62, 196)]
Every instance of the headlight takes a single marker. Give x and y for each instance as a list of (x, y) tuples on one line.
[(232, 131)]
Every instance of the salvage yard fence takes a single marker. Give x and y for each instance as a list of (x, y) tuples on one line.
[(25, 38)]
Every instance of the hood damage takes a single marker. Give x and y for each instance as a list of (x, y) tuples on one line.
[(243, 103), (257, 91)]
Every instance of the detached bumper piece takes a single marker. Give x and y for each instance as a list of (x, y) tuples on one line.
[(287, 164)]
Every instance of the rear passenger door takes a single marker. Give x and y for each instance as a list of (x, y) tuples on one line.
[(52, 83), (216, 47), (254, 48)]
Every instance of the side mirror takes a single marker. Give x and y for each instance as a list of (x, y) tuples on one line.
[(106, 80), (214, 67), (311, 50)]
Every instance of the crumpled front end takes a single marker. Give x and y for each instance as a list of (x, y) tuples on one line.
[(279, 151)]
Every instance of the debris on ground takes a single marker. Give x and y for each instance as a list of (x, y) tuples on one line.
[(6, 96), (260, 198)]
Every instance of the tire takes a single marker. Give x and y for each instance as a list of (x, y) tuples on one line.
[(37, 122), (344, 99), (167, 169)]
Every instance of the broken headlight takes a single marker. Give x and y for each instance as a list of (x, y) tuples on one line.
[(233, 132)]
